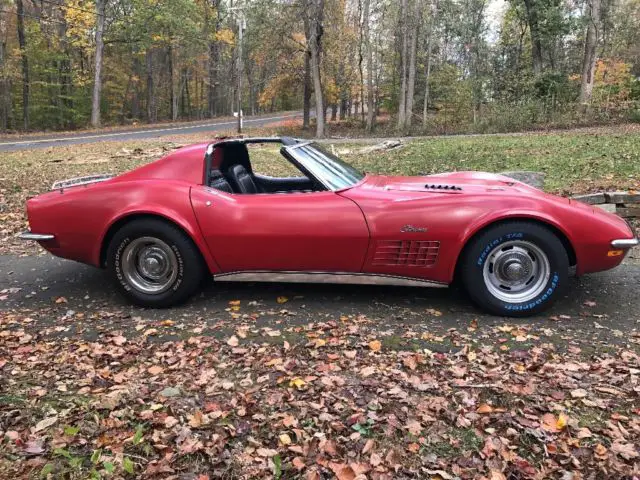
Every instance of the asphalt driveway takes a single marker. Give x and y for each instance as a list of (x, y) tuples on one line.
[(67, 298)]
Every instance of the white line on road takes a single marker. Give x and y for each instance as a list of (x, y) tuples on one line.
[(136, 132)]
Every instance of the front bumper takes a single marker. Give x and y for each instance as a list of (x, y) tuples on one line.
[(38, 237), (625, 243)]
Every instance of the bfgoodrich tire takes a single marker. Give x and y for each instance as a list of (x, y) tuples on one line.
[(515, 269), (154, 264)]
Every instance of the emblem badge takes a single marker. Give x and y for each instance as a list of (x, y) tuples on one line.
[(412, 229)]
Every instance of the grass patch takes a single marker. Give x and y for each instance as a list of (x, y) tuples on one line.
[(571, 161)]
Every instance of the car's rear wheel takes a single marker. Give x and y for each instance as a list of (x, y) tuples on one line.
[(515, 269), (154, 263)]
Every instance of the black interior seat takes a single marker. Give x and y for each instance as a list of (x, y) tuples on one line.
[(219, 182), (241, 180)]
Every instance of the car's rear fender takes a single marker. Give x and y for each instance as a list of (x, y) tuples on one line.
[(169, 217), (82, 219), (171, 204)]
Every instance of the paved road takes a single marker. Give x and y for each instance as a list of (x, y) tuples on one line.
[(43, 279), (46, 141)]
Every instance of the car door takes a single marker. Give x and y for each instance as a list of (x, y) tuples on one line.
[(312, 231)]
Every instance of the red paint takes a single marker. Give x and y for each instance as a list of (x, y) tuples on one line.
[(319, 231)]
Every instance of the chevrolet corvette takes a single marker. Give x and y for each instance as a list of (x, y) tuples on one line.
[(202, 210)]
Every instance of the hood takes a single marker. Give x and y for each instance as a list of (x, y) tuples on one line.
[(452, 183)]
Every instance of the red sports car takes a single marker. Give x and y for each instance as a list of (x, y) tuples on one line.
[(202, 210)]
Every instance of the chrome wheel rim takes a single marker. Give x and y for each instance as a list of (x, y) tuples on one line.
[(149, 265), (516, 271)]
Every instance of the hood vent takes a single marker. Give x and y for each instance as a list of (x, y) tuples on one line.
[(440, 186)]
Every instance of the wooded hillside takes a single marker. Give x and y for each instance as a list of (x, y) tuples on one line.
[(415, 65)]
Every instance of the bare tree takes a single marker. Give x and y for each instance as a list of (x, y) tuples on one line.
[(306, 95), (213, 60), (371, 108), (314, 17), (411, 80), (427, 64), (402, 28), (536, 37), (97, 75), (590, 53), (5, 82), (22, 41), (408, 27), (151, 96)]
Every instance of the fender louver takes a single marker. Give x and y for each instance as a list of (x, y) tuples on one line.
[(410, 253), (437, 186)]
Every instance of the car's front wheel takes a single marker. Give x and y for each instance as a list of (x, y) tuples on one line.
[(515, 269), (154, 263)]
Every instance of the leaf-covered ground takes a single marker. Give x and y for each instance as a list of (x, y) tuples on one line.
[(224, 393), (335, 398)]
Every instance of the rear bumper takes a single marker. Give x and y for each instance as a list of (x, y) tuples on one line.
[(37, 237), (625, 243)]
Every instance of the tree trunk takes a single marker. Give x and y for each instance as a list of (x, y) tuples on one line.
[(151, 97), (22, 41), (402, 28), (214, 57), (590, 53), (365, 24), (97, 76), (172, 84), (306, 94), (343, 106), (187, 93), (427, 66), (411, 81), (5, 89), (334, 112), (371, 109), (315, 46), (536, 40), (135, 100)]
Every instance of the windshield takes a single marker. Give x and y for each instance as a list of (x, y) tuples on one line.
[(333, 172)]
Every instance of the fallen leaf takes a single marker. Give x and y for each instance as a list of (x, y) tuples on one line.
[(579, 393), (282, 300), (414, 427), (155, 370), (600, 450), (562, 421), (197, 419), (170, 422), (298, 463), (266, 452), (343, 472), (628, 451), (34, 447), (233, 341), (46, 423), (368, 446), (297, 382), (375, 345)]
